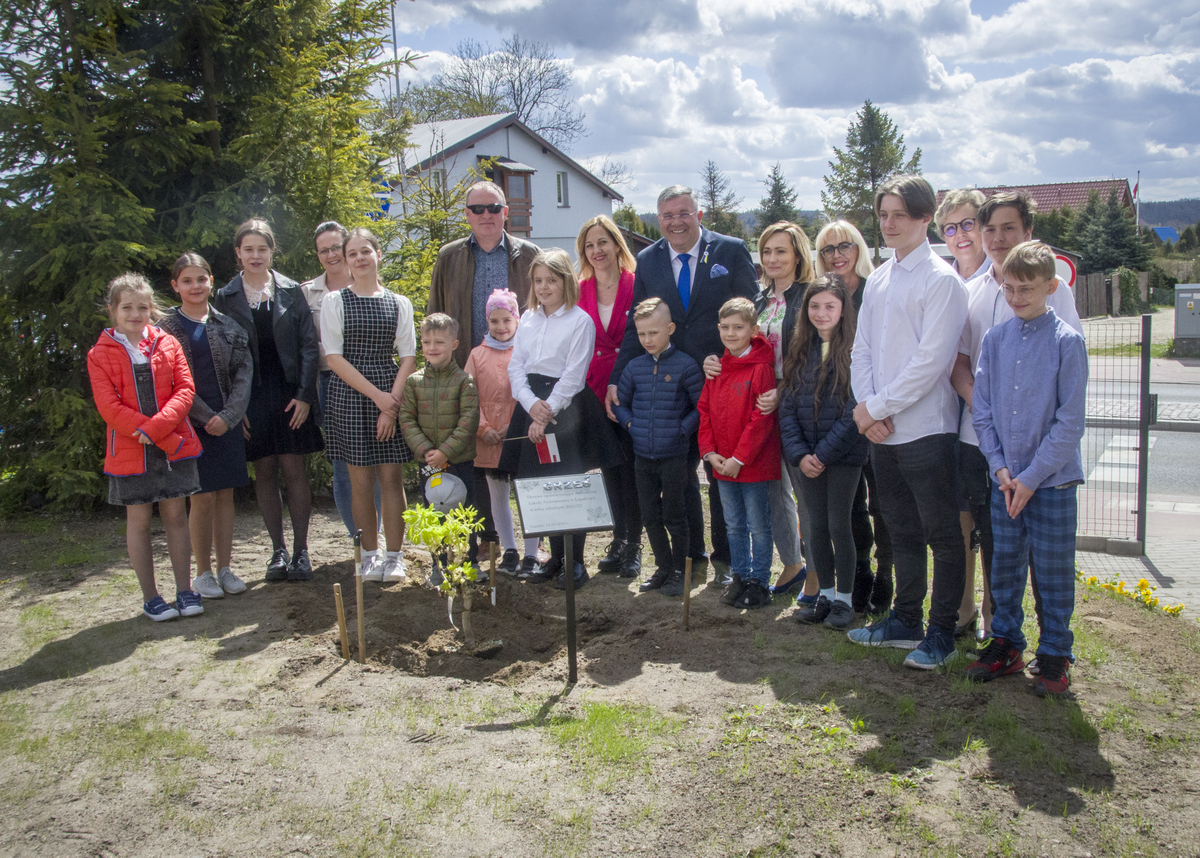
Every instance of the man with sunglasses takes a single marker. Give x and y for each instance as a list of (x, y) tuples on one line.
[(468, 270), (694, 271)]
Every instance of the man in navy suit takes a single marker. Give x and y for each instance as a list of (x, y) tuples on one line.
[(694, 271)]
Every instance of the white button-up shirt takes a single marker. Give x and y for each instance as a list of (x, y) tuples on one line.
[(558, 346), (677, 263), (986, 308), (912, 315)]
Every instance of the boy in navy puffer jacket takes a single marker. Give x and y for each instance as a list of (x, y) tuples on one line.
[(658, 392)]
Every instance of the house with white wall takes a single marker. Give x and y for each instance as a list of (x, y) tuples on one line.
[(550, 196)]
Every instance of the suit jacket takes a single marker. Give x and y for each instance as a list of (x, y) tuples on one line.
[(452, 285), (696, 331), (292, 324)]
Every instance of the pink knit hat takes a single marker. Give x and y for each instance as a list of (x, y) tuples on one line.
[(504, 300)]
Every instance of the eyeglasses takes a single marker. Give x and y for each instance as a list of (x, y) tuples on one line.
[(493, 208), (948, 229), (667, 218), (336, 250), (1023, 292), (831, 250)]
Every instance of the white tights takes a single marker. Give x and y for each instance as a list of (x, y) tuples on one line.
[(498, 489)]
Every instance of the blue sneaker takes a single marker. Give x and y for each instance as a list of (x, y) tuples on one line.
[(934, 651), (188, 603), (158, 610), (890, 631)]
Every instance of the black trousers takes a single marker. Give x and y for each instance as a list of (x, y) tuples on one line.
[(662, 485), (621, 485), (920, 506)]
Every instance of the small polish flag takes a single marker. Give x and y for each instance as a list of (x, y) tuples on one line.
[(548, 450)]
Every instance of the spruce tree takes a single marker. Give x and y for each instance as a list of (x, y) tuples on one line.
[(719, 202), (780, 201), (874, 153), (131, 132)]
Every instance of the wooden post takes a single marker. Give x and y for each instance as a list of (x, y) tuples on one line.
[(569, 571), (492, 557), (687, 593), (341, 617), (358, 597)]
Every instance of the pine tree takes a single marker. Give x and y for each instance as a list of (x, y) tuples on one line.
[(1054, 227), (780, 201), (719, 203), (133, 131), (874, 153)]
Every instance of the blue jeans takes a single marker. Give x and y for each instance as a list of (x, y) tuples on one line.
[(747, 508), (1043, 533), (341, 474)]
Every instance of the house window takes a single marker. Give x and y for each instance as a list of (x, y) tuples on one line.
[(563, 200)]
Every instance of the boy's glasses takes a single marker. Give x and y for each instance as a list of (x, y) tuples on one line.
[(831, 250), (493, 208), (948, 229)]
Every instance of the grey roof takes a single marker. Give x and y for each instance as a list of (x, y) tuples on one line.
[(429, 142)]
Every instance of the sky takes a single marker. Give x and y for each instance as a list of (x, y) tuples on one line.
[(992, 91)]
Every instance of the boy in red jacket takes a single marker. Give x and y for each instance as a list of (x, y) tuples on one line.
[(742, 445)]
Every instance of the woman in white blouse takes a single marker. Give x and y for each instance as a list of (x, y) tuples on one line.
[(565, 424)]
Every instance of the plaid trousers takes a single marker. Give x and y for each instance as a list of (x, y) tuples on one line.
[(1044, 529)]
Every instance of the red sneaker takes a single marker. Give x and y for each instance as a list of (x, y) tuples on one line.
[(1055, 680), (999, 658)]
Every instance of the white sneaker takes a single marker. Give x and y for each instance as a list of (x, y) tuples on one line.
[(206, 585), (393, 570), (230, 583), (372, 568)]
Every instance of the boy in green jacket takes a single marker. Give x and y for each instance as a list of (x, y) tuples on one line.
[(439, 412)]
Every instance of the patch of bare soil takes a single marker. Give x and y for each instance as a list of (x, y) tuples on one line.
[(243, 731)]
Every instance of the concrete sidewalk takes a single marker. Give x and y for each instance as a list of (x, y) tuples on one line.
[(1172, 561)]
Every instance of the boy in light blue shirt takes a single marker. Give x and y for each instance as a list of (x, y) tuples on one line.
[(1029, 405)]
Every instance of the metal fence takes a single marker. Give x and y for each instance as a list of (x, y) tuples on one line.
[(1112, 501)]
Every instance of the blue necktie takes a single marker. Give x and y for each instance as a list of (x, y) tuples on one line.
[(685, 280)]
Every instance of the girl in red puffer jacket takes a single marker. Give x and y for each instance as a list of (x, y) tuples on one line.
[(143, 390)]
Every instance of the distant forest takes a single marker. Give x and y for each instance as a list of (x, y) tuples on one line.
[(1176, 213)]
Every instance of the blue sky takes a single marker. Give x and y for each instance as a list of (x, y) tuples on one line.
[(994, 92)]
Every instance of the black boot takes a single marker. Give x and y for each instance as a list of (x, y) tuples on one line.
[(882, 591), (631, 560), (864, 581), (613, 558)]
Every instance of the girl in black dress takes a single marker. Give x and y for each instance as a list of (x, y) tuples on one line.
[(218, 354), (278, 430)]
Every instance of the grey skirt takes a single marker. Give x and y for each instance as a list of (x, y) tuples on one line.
[(162, 481)]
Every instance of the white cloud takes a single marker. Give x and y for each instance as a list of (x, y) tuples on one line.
[(1045, 90)]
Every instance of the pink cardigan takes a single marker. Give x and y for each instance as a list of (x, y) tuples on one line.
[(608, 341)]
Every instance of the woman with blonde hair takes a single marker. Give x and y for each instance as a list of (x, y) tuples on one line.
[(606, 294), (842, 250)]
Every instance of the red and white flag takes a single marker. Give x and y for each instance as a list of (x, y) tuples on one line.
[(547, 450)]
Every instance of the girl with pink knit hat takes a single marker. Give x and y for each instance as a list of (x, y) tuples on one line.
[(488, 365)]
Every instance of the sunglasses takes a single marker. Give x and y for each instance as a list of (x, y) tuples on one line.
[(950, 228), (831, 250), (493, 208)]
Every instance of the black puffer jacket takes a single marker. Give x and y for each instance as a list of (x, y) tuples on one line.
[(831, 434)]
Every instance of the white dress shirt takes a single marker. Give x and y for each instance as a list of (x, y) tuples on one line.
[(558, 346), (986, 308), (677, 263), (333, 314), (913, 312)]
